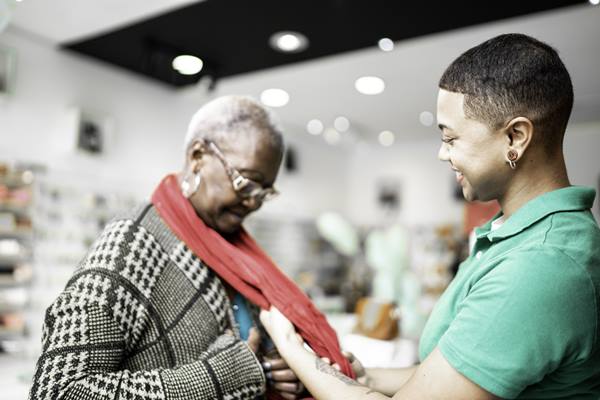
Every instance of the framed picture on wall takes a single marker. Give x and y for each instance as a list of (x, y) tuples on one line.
[(388, 194), (87, 131), (8, 61)]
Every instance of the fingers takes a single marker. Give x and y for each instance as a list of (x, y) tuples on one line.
[(253, 339), (289, 387), (284, 375), (265, 317), (349, 356), (274, 364), (328, 361)]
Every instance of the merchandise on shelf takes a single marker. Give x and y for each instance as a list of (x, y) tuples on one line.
[(16, 253)]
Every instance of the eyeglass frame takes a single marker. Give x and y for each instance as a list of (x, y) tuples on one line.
[(239, 182)]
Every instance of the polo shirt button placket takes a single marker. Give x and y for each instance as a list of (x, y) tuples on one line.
[(478, 254)]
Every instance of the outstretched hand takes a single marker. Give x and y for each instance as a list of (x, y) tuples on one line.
[(280, 329)]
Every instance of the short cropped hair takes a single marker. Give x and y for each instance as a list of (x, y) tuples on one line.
[(225, 116), (514, 75)]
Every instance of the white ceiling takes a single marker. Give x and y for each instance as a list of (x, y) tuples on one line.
[(324, 88), (66, 20)]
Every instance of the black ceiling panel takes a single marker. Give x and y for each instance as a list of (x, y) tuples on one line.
[(231, 36)]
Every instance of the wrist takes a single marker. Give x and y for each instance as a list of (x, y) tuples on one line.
[(289, 345)]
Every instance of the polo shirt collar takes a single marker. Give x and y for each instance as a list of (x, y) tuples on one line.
[(572, 198)]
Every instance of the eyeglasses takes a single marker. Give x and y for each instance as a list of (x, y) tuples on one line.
[(244, 187)]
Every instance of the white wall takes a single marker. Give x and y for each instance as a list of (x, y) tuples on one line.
[(149, 125), (582, 154), (150, 121), (427, 184)]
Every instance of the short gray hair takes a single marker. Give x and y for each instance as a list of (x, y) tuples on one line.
[(221, 117)]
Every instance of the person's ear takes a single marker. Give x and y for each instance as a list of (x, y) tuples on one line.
[(519, 134), (195, 154)]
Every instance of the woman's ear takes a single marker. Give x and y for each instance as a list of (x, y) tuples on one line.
[(519, 134), (194, 154)]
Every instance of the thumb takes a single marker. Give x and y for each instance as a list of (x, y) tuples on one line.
[(253, 339)]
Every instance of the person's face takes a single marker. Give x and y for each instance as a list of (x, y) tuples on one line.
[(474, 151), (215, 201)]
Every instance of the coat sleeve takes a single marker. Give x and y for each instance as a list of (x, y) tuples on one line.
[(84, 347)]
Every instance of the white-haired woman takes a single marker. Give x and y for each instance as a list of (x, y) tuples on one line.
[(165, 304)]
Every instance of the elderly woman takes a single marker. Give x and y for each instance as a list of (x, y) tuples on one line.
[(521, 318), (163, 305)]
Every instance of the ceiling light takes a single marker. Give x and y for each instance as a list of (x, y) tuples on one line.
[(386, 138), (288, 42), (386, 44), (332, 136), (187, 65), (594, 2), (274, 97), (426, 118), (369, 85), (341, 124), (314, 127)]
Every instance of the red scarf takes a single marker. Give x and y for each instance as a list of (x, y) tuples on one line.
[(248, 269)]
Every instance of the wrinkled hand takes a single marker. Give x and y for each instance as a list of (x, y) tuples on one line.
[(280, 376), (253, 340)]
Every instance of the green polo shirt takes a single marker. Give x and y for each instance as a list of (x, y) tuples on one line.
[(521, 317)]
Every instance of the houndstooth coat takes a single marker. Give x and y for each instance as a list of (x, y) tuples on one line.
[(143, 318)]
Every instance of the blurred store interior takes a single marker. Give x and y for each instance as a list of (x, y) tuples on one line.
[(93, 114)]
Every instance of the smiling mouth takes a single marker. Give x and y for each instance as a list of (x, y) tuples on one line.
[(459, 175)]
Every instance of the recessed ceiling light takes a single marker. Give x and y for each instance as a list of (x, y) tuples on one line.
[(187, 65), (426, 118), (341, 124), (314, 127), (288, 42), (369, 85), (332, 136), (594, 2), (386, 44), (274, 97), (386, 138)]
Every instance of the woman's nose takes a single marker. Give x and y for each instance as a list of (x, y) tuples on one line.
[(252, 203), (443, 153)]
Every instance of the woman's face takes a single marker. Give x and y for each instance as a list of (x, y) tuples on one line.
[(215, 201), (474, 151)]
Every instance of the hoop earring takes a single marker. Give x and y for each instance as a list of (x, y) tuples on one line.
[(188, 189), (512, 157)]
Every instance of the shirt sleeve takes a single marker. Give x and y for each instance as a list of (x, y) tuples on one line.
[(84, 347), (520, 321)]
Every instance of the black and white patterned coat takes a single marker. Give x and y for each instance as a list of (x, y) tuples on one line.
[(143, 318)]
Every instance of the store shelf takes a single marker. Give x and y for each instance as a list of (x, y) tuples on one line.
[(19, 233), (16, 252), (15, 208)]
